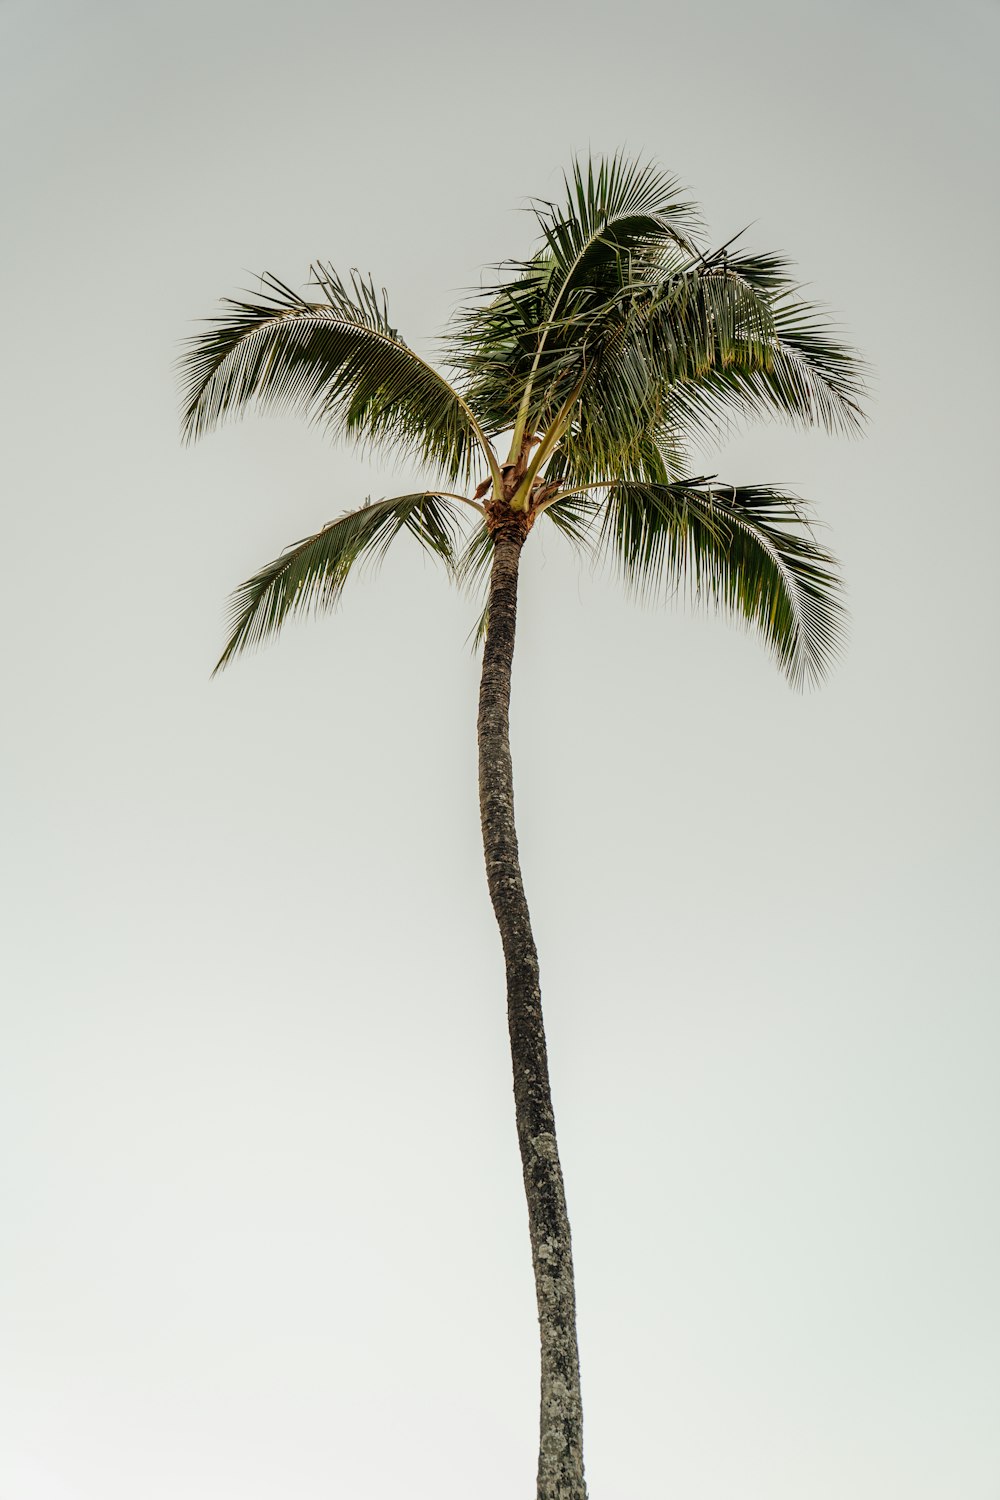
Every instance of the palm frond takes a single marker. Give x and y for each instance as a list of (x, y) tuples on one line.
[(777, 356), (645, 332), (473, 565), (473, 570), (574, 516), (615, 209), (339, 362), (812, 377), (744, 548), (480, 629), (523, 345), (310, 575), (724, 336), (493, 342)]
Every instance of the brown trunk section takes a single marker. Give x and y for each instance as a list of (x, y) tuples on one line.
[(560, 1451)]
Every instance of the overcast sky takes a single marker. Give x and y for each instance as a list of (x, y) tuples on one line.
[(263, 1233)]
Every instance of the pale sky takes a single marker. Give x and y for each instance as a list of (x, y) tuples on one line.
[(263, 1227)]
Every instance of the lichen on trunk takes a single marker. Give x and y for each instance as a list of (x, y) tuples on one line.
[(560, 1455)]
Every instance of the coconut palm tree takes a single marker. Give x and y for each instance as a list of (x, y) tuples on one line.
[(568, 393)]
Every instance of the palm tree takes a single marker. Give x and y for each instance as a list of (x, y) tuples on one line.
[(569, 391)]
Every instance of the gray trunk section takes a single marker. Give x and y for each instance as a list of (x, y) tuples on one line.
[(560, 1450)]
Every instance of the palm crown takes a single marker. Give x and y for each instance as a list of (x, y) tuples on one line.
[(591, 367)]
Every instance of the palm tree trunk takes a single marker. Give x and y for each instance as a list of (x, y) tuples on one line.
[(560, 1452)]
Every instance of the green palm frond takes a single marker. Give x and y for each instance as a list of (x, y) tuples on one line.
[(657, 340), (339, 362), (310, 575), (617, 210), (804, 331), (478, 633), (812, 377), (473, 565), (493, 343), (574, 517), (779, 356), (523, 346), (744, 548), (473, 571), (725, 338)]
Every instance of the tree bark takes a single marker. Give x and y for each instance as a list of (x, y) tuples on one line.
[(560, 1449)]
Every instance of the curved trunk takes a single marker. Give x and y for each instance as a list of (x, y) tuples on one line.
[(560, 1452)]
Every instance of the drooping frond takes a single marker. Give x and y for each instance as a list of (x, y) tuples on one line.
[(725, 338), (473, 571), (745, 548), (574, 516), (778, 357), (340, 363), (310, 575), (473, 565)]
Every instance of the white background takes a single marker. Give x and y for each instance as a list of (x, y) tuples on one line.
[(263, 1228)]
